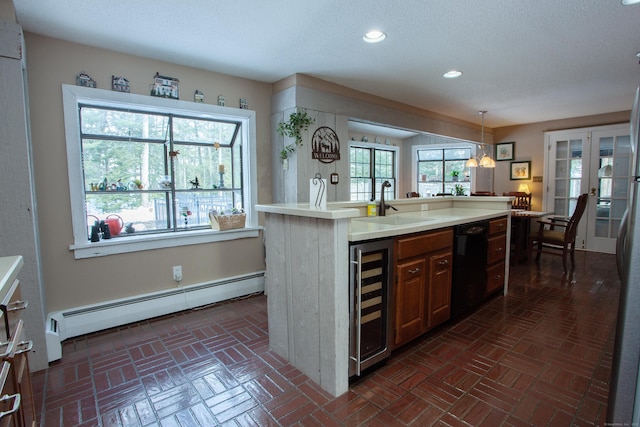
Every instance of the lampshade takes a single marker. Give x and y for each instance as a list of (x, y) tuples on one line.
[(524, 188), (485, 161)]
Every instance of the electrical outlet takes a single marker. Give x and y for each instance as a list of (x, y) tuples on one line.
[(424, 207), (177, 273)]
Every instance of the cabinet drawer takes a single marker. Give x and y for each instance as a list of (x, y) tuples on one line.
[(12, 306), (408, 247), (495, 278), (496, 249), (497, 226)]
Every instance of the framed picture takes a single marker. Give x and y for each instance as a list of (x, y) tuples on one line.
[(504, 151), (521, 170)]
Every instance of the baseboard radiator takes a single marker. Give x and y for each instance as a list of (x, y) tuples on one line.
[(77, 321)]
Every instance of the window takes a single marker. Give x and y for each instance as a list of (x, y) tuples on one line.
[(371, 165), (441, 169), (154, 168)]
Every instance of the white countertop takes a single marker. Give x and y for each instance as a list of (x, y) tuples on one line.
[(411, 215), (413, 222), (333, 211), (10, 266)]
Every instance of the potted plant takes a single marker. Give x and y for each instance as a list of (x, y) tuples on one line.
[(458, 190), (298, 122), (455, 175)]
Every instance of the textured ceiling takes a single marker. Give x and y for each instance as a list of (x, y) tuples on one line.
[(523, 61)]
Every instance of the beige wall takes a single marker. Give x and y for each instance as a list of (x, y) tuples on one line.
[(529, 145), (69, 282)]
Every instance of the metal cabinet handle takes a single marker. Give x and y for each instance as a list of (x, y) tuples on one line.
[(414, 271), (24, 347), (358, 355), (444, 262), (499, 249), (18, 305), (16, 404), (9, 349)]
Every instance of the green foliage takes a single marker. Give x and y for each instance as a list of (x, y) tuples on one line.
[(458, 190), (293, 128)]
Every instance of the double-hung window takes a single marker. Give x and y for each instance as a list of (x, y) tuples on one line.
[(371, 165), (151, 169), (440, 170)]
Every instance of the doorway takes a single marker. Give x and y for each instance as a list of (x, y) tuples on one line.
[(596, 161)]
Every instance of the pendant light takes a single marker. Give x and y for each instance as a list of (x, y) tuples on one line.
[(485, 161)]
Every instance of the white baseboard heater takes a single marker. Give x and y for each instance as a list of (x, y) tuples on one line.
[(77, 321)]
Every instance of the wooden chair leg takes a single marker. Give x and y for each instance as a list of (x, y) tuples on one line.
[(573, 258), (564, 261), (539, 250)]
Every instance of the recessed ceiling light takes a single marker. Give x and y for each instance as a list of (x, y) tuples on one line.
[(628, 2), (374, 36), (452, 74)]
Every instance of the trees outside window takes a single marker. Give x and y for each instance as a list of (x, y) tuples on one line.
[(441, 169), (371, 165)]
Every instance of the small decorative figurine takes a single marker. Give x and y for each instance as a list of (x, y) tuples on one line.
[(221, 100), (83, 79), (198, 96), (120, 84), (244, 104), (195, 183), (165, 87)]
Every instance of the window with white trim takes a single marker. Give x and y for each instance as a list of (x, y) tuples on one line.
[(370, 165), (441, 169), (150, 169)]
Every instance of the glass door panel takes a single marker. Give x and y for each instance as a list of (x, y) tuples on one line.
[(596, 161)]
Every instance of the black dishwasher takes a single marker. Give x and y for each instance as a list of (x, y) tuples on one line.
[(469, 264)]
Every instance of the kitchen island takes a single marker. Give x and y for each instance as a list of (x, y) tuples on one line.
[(307, 277)]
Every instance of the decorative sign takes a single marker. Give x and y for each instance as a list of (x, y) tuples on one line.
[(325, 145), (120, 84), (164, 87), (198, 96), (84, 79)]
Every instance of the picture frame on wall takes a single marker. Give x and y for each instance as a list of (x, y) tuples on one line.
[(520, 170), (505, 151)]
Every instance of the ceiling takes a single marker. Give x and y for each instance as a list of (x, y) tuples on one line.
[(523, 61)]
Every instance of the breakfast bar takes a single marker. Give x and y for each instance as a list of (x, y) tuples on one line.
[(308, 270)]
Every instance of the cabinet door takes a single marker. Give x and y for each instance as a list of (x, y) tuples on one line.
[(496, 249), (495, 278), (439, 288), (410, 300)]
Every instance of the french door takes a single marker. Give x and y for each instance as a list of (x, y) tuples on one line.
[(596, 161)]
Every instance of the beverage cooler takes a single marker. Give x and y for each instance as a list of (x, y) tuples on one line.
[(369, 304)]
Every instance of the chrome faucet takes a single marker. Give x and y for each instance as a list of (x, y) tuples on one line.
[(382, 209)]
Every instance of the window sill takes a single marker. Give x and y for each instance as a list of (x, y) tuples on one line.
[(158, 241)]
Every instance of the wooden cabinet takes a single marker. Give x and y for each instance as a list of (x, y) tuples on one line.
[(14, 349), (410, 313), (496, 253), (422, 288)]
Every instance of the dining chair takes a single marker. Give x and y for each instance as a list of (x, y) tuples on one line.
[(554, 241), (522, 200), (412, 194)]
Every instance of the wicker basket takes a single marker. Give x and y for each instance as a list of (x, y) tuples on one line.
[(227, 222)]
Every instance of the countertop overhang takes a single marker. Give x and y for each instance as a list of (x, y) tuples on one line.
[(417, 214), (360, 229)]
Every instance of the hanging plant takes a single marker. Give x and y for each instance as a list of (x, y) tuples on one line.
[(293, 128)]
